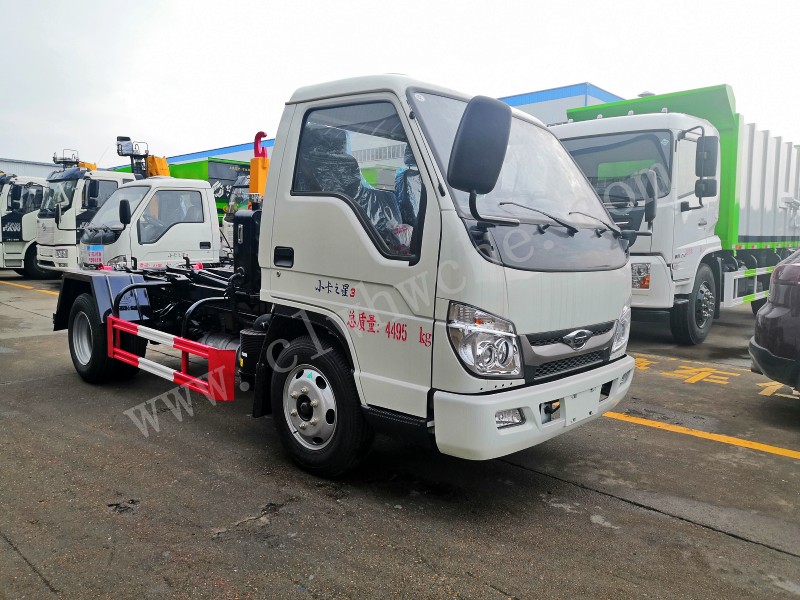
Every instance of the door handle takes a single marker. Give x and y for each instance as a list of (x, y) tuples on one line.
[(283, 257), (205, 245), (702, 223)]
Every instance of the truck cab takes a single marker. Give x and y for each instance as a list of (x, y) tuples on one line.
[(20, 200), (168, 220), (73, 197)]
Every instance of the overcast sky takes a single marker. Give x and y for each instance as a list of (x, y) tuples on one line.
[(196, 75)]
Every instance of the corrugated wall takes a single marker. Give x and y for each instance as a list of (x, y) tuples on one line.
[(21, 167), (768, 187)]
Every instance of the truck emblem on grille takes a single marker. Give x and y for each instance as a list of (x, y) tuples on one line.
[(577, 339)]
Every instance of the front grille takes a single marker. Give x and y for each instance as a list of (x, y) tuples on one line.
[(557, 367), (555, 337)]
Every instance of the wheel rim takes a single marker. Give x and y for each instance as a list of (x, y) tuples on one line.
[(704, 305), (309, 407), (82, 338)]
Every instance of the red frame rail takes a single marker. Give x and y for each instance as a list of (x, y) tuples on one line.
[(220, 379)]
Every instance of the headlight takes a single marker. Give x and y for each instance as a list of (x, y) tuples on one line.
[(640, 276), (622, 333), (118, 261), (485, 343), (62, 253)]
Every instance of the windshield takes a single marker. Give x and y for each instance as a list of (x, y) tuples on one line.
[(537, 173), (108, 214), (240, 196), (623, 166), (59, 192)]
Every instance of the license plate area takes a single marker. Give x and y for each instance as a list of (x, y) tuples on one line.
[(94, 255), (580, 406)]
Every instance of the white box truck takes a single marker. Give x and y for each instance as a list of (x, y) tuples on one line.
[(720, 198)]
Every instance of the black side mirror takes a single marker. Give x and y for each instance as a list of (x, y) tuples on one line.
[(705, 188), (93, 191), (651, 203), (16, 193), (705, 164), (628, 237), (124, 212), (479, 148), (57, 216)]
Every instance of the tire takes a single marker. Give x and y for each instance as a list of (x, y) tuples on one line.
[(331, 437), (691, 322), (88, 345), (33, 270)]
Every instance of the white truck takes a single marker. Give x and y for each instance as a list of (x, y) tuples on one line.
[(467, 308), (20, 199), (73, 197), (164, 221), (719, 197)]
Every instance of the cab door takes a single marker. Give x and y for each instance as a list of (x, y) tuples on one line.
[(351, 205), (172, 224), (694, 221)]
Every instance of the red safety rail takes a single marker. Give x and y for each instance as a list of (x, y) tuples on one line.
[(218, 384)]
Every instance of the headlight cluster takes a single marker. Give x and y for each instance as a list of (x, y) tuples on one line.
[(640, 276), (621, 333), (63, 253), (485, 343), (118, 261)]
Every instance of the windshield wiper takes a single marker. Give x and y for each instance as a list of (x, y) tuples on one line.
[(607, 226), (570, 228)]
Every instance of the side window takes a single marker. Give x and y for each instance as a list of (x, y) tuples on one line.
[(360, 153), (685, 177), (106, 188), (167, 208), (32, 198)]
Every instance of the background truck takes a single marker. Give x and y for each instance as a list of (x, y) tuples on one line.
[(464, 308), (153, 223), (20, 200), (74, 194), (720, 198), (248, 190)]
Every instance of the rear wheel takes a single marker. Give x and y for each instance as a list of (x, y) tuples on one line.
[(32, 270), (316, 409), (88, 347), (690, 322)]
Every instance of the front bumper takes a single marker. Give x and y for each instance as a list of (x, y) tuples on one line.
[(57, 258), (782, 370), (465, 424)]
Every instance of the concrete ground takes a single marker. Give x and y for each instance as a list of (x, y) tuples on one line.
[(672, 497)]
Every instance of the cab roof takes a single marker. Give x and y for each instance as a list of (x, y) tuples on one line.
[(170, 183)]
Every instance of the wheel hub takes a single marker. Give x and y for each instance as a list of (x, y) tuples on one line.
[(704, 305), (309, 407)]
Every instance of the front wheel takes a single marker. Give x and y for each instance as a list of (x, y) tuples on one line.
[(88, 347), (690, 322), (32, 270), (316, 409)]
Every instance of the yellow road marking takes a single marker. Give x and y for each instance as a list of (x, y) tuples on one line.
[(30, 287), (716, 437)]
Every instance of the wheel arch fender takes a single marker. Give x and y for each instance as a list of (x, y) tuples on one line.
[(103, 288), (714, 261), (286, 324)]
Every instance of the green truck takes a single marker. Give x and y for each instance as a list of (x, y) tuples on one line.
[(717, 199)]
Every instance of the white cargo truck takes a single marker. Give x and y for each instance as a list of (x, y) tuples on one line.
[(153, 223), (721, 199), (20, 199), (481, 306), (73, 197)]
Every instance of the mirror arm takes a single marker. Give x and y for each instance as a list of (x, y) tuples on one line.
[(473, 210)]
